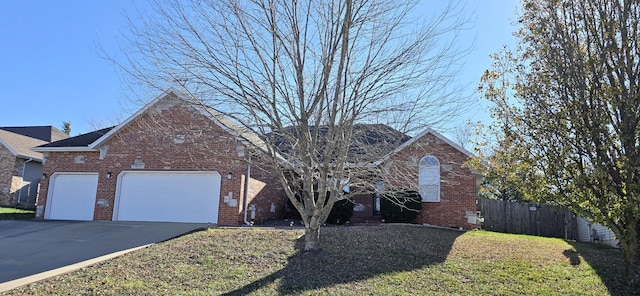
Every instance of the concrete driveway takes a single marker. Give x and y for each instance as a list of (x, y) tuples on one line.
[(32, 247)]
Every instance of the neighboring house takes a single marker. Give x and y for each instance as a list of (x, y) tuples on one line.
[(45, 133), (177, 160), (597, 233), (21, 167)]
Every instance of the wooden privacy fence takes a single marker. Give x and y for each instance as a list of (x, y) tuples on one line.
[(528, 218)]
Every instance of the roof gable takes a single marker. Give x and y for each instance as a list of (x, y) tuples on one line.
[(245, 135), (20, 145), (422, 134), (93, 140)]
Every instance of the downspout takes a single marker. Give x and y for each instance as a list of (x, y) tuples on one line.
[(24, 167), (246, 192)]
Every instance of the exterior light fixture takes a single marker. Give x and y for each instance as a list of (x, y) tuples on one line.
[(229, 176)]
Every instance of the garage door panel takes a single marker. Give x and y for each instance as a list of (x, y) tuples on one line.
[(168, 196), (71, 196)]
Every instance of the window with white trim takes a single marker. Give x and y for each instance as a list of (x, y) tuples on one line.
[(429, 179)]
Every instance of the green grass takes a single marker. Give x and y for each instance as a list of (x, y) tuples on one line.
[(382, 260), (16, 214)]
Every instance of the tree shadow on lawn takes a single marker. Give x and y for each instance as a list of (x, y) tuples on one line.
[(354, 254), (606, 261)]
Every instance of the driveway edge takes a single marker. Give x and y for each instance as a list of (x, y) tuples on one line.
[(62, 270)]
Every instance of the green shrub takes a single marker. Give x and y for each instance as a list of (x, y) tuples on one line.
[(16, 214), (341, 211), (400, 206)]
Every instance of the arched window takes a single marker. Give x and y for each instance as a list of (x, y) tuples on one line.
[(429, 179)]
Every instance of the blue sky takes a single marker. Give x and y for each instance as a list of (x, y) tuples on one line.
[(51, 70)]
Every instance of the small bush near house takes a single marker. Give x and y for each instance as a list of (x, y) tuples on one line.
[(400, 206), (341, 211)]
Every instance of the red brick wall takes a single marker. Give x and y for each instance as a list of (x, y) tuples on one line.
[(151, 139), (8, 174), (265, 192), (64, 162), (457, 185)]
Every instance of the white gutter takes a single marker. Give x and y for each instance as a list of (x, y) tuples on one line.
[(246, 192), (24, 167), (29, 157)]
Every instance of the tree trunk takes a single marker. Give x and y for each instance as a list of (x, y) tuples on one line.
[(634, 277), (631, 250), (312, 238)]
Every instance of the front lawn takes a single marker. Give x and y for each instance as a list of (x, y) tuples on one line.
[(381, 260), (16, 214)]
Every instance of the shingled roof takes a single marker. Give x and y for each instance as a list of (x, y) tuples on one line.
[(45, 133), (20, 145), (81, 141), (368, 143)]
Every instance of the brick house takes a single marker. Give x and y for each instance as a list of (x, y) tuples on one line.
[(173, 160), (20, 167), (177, 160)]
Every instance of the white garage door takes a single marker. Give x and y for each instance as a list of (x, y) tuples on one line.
[(167, 196), (71, 196)]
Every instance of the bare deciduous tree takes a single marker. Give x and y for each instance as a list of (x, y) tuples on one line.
[(463, 134), (305, 73)]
